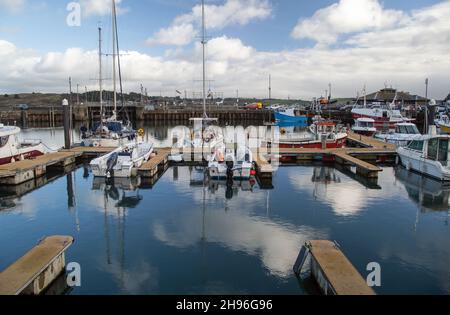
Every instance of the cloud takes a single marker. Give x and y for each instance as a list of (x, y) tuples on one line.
[(346, 17), (99, 7), (12, 5), (185, 27), (402, 55), (178, 35)]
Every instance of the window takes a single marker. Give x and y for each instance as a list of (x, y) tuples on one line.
[(416, 146), (433, 145), (3, 141), (403, 129), (443, 151)]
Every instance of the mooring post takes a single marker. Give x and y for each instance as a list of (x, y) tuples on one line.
[(66, 114)]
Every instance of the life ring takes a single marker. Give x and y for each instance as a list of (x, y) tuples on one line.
[(141, 132), (283, 131), (96, 144)]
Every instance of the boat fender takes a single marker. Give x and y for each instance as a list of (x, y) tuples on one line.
[(96, 144)]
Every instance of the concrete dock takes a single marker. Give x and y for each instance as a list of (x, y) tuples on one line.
[(37, 269)]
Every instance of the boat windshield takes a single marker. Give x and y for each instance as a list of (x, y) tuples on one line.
[(3, 141), (416, 145), (438, 150), (408, 129)]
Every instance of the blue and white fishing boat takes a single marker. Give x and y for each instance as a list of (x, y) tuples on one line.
[(288, 115)]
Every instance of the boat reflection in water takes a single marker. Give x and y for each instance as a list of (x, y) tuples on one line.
[(117, 189), (429, 194)]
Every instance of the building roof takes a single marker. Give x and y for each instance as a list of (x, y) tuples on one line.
[(388, 95)]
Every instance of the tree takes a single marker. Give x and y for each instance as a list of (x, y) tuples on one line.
[(6, 95), (16, 96)]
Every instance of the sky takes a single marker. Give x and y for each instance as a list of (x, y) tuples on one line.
[(304, 46)]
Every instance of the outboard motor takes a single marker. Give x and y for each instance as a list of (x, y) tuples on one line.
[(83, 130), (110, 164), (230, 165)]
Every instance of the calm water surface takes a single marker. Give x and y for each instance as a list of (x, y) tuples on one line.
[(186, 235)]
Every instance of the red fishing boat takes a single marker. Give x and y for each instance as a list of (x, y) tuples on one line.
[(321, 135)]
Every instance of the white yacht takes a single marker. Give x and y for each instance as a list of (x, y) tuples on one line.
[(427, 155), (404, 133), (121, 162), (13, 149)]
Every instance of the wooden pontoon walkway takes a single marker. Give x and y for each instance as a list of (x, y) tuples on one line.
[(22, 171), (334, 272), (37, 269), (369, 142), (151, 168)]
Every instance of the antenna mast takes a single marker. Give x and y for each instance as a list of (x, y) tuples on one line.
[(204, 42), (114, 56)]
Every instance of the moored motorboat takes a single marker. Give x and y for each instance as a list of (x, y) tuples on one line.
[(428, 155), (228, 164), (365, 127), (122, 161), (12, 149), (404, 133)]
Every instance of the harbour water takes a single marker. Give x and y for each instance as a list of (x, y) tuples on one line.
[(187, 235)]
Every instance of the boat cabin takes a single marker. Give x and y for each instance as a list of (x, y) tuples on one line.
[(433, 148), (365, 123), (325, 127), (9, 136)]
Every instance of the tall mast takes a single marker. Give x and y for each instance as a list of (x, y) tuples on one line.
[(270, 87), (114, 55), (204, 62), (100, 78), (365, 97)]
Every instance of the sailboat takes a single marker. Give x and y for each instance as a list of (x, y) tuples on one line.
[(109, 132), (205, 137)]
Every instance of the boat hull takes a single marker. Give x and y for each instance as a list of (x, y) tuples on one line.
[(367, 133), (219, 172), (414, 161), (444, 128), (316, 144), (34, 153)]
